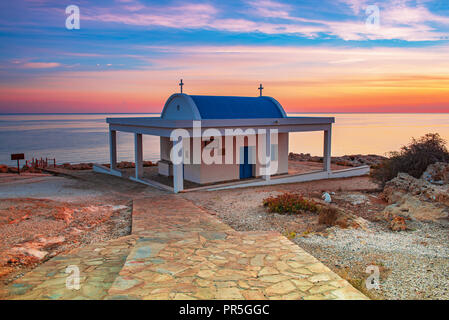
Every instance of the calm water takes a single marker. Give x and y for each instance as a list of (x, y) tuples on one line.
[(84, 137)]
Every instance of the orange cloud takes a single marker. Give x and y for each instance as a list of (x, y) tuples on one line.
[(301, 78)]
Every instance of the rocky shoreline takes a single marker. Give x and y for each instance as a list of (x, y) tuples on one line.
[(75, 166), (347, 160)]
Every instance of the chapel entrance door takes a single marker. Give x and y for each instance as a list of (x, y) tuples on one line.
[(246, 169)]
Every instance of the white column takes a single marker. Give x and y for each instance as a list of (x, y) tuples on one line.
[(138, 155), (327, 149), (178, 169), (113, 149), (267, 175)]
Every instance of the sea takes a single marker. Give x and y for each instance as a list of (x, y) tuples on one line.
[(77, 138)]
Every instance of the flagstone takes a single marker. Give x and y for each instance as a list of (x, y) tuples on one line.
[(302, 283), (203, 283), (257, 260), (348, 292), (179, 251), (274, 278), (207, 274), (205, 293), (314, 297), (292, 296), (302, 271), (321, 289), (280, 288), (322, 277), (243, 284), (268, 271), (229, 294), (253, 295), (318, 268)]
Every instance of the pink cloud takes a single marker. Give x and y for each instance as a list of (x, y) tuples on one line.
[(40, 65), (182, 16)]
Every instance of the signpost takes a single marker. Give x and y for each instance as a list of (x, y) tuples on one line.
[(18, 157)]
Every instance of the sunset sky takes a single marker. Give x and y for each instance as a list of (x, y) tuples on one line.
[(312, 56)]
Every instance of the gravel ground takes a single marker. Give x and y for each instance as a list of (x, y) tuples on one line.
[(413, 264)]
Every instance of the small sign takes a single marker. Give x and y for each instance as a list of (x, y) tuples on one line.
[(17, 156)]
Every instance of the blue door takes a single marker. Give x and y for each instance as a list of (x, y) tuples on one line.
[(246, 169)]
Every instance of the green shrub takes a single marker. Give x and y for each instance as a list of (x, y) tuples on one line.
[(289, 203), (413, 159)]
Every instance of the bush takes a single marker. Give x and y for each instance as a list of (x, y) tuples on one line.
[(413, 159), (289, 203), (329, 216)]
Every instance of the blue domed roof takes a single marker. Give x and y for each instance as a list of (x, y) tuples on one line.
[(226, 107)]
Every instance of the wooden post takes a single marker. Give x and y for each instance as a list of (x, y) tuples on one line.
[(327, 149), (138, 155), (18, 157)]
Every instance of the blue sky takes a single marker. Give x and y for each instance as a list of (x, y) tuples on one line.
[(153, 41)]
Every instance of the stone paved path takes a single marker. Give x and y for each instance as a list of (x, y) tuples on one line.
[(179, 251), (99, 265)]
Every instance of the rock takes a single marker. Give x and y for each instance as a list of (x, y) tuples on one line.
[(437, 173), (3, 168), (354, 198), (30, 169), (25, 217), (398, 224), (404, 184), (326, 197), (50, 241), (32, 252), (125, 165), (411, 207), (12, 169), (347, 160), (81, 166), (333, 216), (63, 214), (149, 164), (424, 199)]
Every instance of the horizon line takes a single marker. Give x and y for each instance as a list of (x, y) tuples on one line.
[(321, 112)]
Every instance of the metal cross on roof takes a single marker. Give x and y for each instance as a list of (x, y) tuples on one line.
[(181, 84), (260, 88)]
